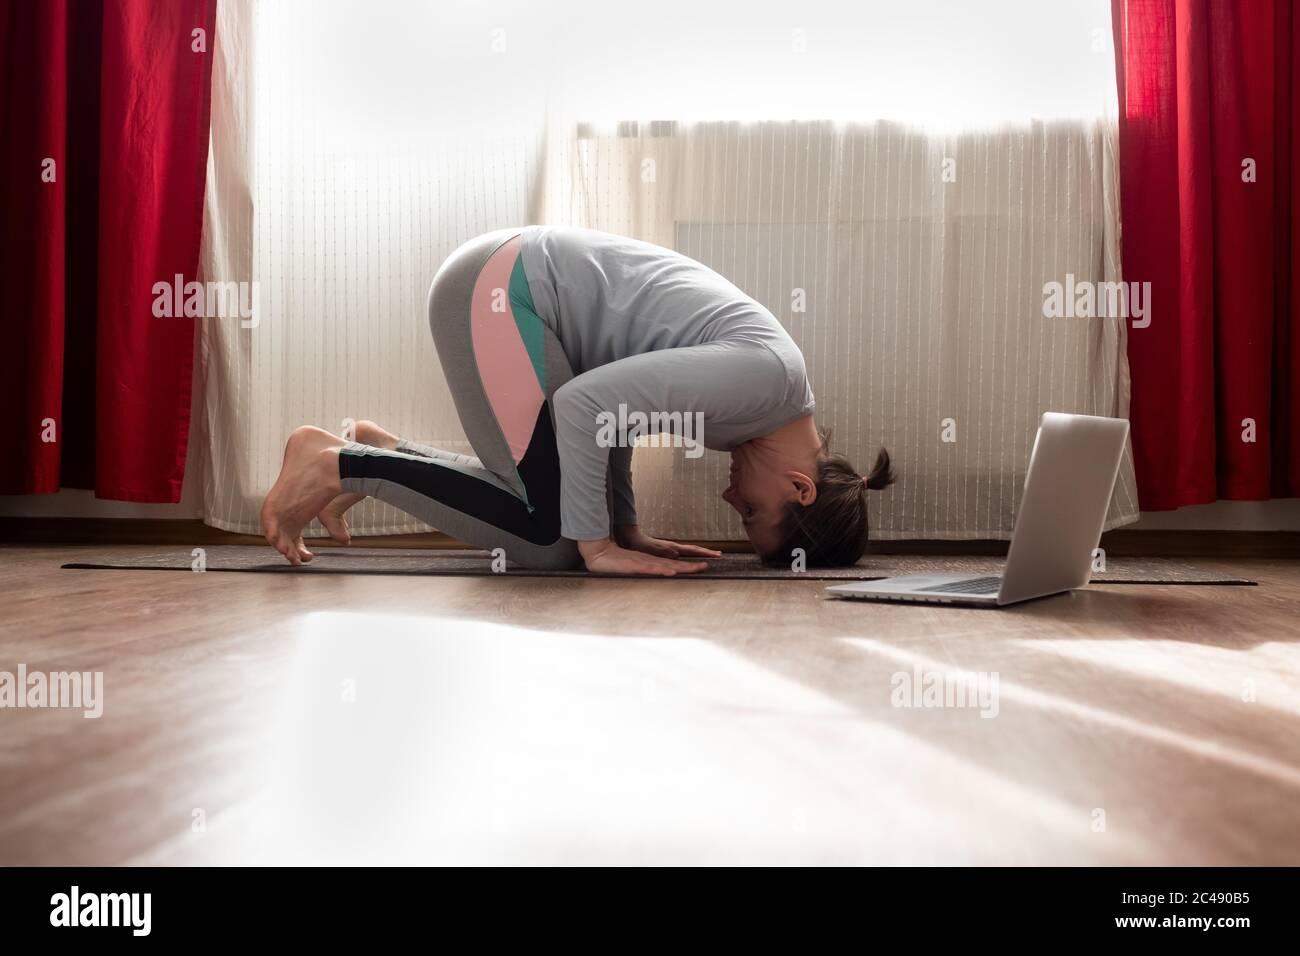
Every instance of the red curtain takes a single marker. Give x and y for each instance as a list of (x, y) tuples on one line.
[(1208, 174), (104, 116)]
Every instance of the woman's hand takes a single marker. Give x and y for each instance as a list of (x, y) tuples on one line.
[(603, 556), (632, 538)]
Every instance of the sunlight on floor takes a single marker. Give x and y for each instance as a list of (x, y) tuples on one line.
[(415, 739), (1013, 694), (1259, 675)]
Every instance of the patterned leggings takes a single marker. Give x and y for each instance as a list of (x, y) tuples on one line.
[(503, 364)]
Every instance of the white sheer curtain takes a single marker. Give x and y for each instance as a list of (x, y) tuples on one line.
[(895, 187), (337, 183)]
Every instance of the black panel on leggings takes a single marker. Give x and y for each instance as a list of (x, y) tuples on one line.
[(539, 469)]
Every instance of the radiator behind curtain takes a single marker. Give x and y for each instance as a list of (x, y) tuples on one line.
[(909, 266)]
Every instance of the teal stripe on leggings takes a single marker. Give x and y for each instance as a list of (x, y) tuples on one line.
[(529, 323)]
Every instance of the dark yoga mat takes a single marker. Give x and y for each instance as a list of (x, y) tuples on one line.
[(734, 566)]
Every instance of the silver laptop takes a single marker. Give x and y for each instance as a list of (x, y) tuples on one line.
[(1072, 471)]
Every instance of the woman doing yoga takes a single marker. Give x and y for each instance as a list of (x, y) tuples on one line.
[(555, 342)]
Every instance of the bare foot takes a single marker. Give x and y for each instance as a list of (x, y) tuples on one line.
[(331, 517), (332, 520), (368, 433), (309, 480)]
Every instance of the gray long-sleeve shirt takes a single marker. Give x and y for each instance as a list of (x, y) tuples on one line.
[(658, 333)]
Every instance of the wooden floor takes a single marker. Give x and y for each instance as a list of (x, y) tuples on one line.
[(269, 718)]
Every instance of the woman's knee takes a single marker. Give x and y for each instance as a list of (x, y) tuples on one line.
[(563, 555)]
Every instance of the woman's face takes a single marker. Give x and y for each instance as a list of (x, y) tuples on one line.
[(760, 490)]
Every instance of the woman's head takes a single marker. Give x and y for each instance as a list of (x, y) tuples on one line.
[(820, 508)]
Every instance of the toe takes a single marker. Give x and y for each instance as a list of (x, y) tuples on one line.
[(337, 527), (286, 547)]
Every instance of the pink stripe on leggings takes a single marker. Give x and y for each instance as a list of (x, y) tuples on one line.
[(499, 351)]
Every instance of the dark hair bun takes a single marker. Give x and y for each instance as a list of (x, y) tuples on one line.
[(882, 476)]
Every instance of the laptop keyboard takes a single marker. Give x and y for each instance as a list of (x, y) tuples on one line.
[(971, 586)]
